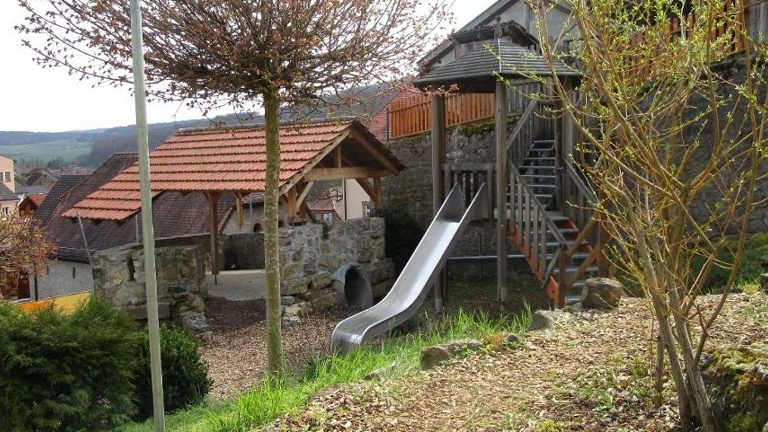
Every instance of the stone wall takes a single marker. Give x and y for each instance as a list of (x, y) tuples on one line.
[(310, 254), (119, 276), (412, 188)]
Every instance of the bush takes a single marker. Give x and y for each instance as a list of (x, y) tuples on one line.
[(185, 376), (66, 372), (402, 235)]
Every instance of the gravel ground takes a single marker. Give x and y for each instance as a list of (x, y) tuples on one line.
[(590, 374), (236, 351)]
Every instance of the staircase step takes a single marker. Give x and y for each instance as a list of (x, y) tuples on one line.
[(571, 270), (538, 177), (544, 141)]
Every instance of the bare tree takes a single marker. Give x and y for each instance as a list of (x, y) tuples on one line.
[(671, 111), (209, 52), (23, 248)]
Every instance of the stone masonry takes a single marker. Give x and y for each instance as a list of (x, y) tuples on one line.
[(119, 276), (310, 254)]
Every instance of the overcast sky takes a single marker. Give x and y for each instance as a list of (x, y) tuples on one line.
[(49, 100)]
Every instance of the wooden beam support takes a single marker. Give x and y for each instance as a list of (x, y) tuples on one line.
[(321, 174), (337, 157), (377, 190), (303, 194), (367, 187), (438, 192), (213, 225), (380, 158), (239, 208)]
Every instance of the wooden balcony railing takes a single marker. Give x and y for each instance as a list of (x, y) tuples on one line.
[(411, 116)]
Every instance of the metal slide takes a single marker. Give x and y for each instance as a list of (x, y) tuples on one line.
[(410, 289)]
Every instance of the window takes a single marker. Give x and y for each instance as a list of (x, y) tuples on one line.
[(6, 210), (74, 274), (7, 176)]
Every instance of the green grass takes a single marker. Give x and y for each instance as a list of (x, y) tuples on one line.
[(66, 149), (271, 399)]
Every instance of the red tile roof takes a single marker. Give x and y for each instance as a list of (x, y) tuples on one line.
[(228, 159), (174, 215)]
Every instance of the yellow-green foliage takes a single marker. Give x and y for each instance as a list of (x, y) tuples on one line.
[(739, 387)]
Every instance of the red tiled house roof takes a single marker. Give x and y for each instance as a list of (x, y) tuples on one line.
[(174, 215), (234, 160)]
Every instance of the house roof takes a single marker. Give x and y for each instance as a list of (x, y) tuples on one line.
[(234, 159), (6, 194), (476, 71), (61, 187), (33, 200), (32, 190), (173, 214)]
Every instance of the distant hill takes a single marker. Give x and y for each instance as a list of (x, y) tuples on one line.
[(89, 148)]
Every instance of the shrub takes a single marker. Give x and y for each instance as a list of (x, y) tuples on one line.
[(66, 372), (185, 376), (402, 235)]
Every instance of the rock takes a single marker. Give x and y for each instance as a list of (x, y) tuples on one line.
[(764, 282), (195, 323), (290, 321), (196, 302), (298, 310), (737, 383), (287, 300), (434, 355), (601, 293), (545, 320), (327, 298), (139, 312)]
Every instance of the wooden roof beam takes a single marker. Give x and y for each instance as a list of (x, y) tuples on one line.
[(321, 174)]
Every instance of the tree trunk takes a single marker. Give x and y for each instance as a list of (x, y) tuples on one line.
[(271, 240)]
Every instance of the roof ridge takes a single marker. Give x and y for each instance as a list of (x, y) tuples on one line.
[(307, 122)]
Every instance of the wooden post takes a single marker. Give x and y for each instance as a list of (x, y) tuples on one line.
[(438, 192), (213, 224), (502, 183)]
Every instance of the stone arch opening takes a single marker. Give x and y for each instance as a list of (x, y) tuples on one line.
[(352, 280)]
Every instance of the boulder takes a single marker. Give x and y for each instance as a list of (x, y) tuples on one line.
[(298, 310), (290, 321), (327, 298), (737, 383), (545, 320), (435, 355), (195, 323), (601, 293)]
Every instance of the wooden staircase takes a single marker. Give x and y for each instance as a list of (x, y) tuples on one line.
[(541, 232), (549, 220)]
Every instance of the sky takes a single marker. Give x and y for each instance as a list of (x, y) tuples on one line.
[(49, 100)]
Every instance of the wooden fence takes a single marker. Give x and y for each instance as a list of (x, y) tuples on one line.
[(646, 54), (413, 115)]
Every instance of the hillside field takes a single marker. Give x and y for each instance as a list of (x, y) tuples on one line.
[(66, 149)]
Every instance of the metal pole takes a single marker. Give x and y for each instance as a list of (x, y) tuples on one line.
[(153, 321), (502, 182)]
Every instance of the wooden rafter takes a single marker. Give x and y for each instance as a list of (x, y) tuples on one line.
[(320, 174)]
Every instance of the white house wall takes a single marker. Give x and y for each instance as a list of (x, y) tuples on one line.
[(354, 197), (62, 278)]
